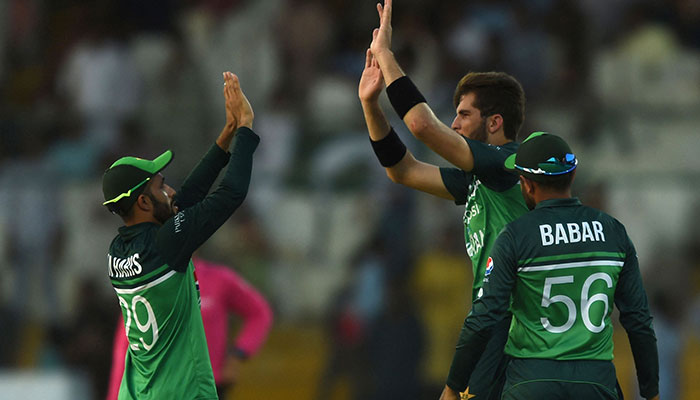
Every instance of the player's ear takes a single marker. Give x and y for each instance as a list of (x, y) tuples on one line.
[(144, 202), (494, 123), (527, 185)]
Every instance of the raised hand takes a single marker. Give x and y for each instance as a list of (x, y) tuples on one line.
[(238, 111), (382, 36), (372, 81), (231, 120), (237, 104)]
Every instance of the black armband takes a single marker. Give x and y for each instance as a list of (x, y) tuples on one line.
[(403, 95), (389, 150)]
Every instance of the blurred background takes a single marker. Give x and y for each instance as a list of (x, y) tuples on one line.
[(368, 280)]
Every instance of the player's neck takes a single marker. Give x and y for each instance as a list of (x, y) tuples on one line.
[(551, 195), (139, 218), (497, 138)]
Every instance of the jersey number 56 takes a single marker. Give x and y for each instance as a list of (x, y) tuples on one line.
[(586, 302)]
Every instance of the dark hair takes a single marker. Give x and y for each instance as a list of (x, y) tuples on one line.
[(120, 209), (495, 93), (557, 183), (124, 207)]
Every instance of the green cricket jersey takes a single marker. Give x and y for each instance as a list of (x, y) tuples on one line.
[(493, 198), (151, 270), (558, 269)]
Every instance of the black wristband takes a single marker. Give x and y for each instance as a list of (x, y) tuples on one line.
[(389, 150), (403, 95)]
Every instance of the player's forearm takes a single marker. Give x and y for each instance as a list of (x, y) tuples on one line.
[(202, 176), (646, 362), (469, 348), (377, 124), (440, 138), (217, 207), (226, 137), (389, 66), (410, 105), (234, 186)]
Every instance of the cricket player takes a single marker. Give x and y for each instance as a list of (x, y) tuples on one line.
[(558, 269), (223, 293), (150, 262), (490, 111)]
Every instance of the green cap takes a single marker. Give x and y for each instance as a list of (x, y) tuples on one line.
[(126, 178), (542, 156)]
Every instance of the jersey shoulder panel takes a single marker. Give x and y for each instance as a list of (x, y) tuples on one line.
[(133, 259)]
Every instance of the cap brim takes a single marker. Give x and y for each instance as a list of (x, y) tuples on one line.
[(150, 166), (128, 174), (162, 161)]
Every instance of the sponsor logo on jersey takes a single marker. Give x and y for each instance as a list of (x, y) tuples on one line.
[(489, 266), (178, 220)]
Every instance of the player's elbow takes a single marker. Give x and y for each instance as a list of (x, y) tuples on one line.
[(420, 127), (396, 175)]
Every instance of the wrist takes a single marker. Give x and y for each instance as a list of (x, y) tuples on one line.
[(382, 52), (389, 150), (229, 128), (369, 102)]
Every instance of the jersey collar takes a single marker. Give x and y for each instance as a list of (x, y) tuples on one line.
[(128, 232), (572, 201)]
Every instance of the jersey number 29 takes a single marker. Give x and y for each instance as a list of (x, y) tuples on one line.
[(141, 326)]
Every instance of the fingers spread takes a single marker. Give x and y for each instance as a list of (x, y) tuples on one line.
[(368, 58)]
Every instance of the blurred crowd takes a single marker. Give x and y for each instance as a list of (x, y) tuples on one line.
[(323, 233)]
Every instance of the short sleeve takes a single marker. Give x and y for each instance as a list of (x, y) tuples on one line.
[(488, 164), (457, 183)]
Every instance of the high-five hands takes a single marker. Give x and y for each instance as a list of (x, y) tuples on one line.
[(381, 37), (239, 113), (372, 81), (238, 109)]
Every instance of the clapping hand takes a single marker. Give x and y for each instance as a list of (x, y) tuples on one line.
[(372, 81), (238, 109)]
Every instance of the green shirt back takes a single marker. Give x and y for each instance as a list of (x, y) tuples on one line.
[(167, 346), (557, 270), (565, 264)]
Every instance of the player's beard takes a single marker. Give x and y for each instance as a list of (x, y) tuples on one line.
[(161, 210), (480, 134)]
